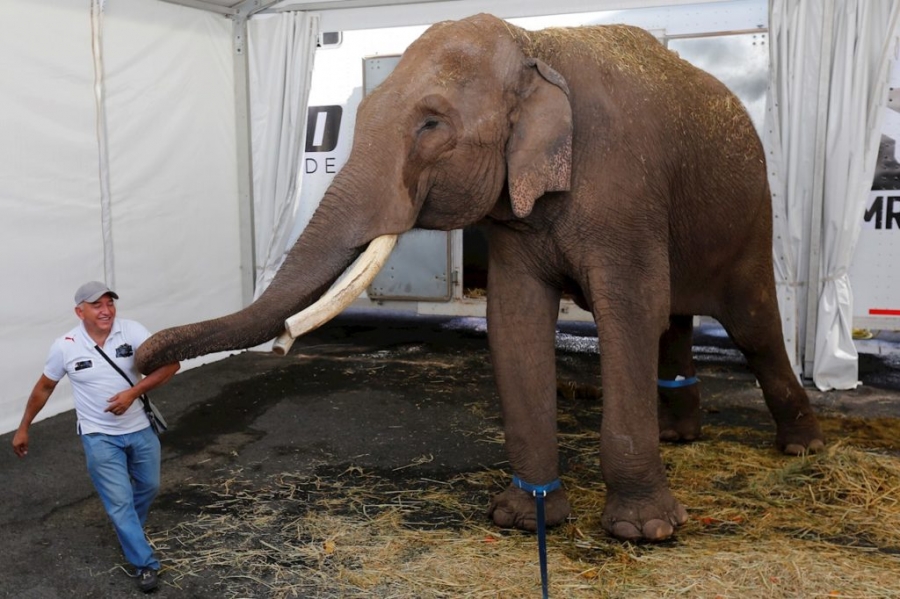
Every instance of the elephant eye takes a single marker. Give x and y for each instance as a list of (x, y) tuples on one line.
[(430, 123)]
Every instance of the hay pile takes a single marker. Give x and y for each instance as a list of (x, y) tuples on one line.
[(762, 525)]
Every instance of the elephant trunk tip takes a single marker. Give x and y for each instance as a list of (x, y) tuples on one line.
[(149, 357), (169, 346)]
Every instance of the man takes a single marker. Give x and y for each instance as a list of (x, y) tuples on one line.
[(122, 451)]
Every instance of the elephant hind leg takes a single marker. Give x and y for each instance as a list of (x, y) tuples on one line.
[(752, 320), (679, 406)]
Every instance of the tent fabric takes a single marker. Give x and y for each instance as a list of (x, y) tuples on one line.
[(828, 77), (864, 47), (48, 190), (789, 140), (282, 51), (173, 218), (173, 161)]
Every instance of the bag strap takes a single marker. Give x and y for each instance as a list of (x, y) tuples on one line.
[(144, 399)]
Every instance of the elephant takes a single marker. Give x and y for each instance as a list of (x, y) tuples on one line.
[(602, 166)]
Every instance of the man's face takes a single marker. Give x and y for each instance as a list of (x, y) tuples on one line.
[(97, 316)]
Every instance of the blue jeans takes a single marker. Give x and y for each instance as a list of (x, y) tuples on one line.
[(125, 472)]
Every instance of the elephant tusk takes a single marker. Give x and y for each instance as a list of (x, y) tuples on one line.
[(283, 344), (339, 296)]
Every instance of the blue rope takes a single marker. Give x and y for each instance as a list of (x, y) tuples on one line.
[(540, 492), (683, 382)]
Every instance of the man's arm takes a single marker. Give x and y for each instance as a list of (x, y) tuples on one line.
[(36, 402), (156, 378), (121, 401)]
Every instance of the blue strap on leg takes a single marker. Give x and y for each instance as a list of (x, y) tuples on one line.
[(679, 382), (540, 493)]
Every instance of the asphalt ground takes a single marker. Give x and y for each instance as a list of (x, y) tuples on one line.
[(371, 391)]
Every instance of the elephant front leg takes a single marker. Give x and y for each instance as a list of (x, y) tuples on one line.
[(639, 504), (522, 314)]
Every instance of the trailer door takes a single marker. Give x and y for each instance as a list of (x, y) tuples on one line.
[(419, 267)]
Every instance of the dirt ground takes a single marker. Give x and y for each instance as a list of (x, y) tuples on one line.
[(408, 402)]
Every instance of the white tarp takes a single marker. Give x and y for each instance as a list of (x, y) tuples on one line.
[(173, 214), (827, 93)]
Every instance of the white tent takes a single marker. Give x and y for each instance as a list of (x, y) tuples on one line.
[(155, 144), (126, 174)]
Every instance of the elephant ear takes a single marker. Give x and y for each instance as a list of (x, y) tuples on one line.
[(539, 150)]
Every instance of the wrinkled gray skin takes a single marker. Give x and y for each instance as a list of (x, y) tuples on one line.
[(603, 166)]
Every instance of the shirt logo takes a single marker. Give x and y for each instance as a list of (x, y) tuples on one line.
[(124, 351), (83, 364)]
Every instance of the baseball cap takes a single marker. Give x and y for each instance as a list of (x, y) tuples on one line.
[(92, 291)]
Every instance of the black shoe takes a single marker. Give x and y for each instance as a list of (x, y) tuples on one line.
[(147, 579)]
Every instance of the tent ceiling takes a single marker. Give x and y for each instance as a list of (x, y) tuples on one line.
[(246, 7)]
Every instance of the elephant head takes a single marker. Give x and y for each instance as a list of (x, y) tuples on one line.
[(466, 124)]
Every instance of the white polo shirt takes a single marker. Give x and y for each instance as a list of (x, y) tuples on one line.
[(94, 380)]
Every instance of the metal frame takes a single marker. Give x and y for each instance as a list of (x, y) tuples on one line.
[(244, 158), (346, 15), (222, 10)]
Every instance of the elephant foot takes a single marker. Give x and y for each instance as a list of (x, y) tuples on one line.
[(685, 430), (514, 508), (653, 518), (800, 436), (679, 415)]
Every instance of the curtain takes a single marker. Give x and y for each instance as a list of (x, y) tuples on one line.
[(282, 50), (830, 63), (789, 139), (865, 40)]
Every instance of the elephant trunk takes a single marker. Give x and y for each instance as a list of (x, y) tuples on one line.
[(324, 251)]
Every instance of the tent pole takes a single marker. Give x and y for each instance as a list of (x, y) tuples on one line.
[(106, 219), (240, 43), (244, 162)]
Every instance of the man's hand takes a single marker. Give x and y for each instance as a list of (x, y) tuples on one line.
[(39, 396), (120, 402), (20, 443)]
